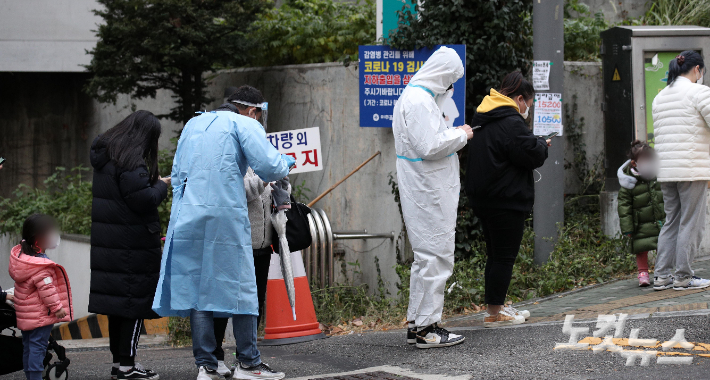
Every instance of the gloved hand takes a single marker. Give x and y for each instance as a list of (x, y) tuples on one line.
[(290, 161), (279, 192)]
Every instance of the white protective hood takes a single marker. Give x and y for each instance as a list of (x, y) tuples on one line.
[(440, 71)]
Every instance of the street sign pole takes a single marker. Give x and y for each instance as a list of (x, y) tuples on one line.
[(548, 212)]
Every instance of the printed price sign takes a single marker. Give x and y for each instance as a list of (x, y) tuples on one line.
[(548, 114), (301, 144), (541, 75), (384, 74)]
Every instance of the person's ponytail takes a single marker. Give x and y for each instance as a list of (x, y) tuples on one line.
[(683, 63)]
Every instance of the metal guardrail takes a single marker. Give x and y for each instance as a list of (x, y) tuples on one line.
[(319, 256)]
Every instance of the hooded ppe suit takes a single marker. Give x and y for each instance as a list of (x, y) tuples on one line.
[(207, 262), (428, 175)]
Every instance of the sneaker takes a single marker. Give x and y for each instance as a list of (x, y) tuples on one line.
[(503, 318), (205, 373), (644, 279), (694, 282), (513, 311), (223, 370), (662, 283), (114, 373), (434, 336), (135, 373), (261, 371), (411, 334)]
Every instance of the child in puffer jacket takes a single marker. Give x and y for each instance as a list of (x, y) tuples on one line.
[(641, 213), (42, 293)]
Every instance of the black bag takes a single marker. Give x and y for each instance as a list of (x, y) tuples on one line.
[(298, 231)]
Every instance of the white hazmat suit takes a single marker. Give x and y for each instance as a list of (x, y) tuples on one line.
[(428, 175)]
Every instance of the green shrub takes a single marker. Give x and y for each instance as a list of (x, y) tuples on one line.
[(677, 12), (66, 196), (582, 39), (311, 31)]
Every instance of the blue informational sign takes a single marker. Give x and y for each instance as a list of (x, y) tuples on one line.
[(384, 73)]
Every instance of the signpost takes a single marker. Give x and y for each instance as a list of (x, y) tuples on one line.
[(548, 47), (301, 144), (384, 73)]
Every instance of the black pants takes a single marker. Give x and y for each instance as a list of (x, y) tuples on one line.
[(503, 231), (124, 334), (262, 259)]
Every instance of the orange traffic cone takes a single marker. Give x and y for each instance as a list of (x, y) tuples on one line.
[(280, 327)]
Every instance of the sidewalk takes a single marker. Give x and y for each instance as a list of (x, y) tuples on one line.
[(624, 296)]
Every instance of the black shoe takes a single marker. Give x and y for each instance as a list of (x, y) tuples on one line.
[(434, 336), (135, 373), (411, 335), (114, 373), (261, 371)]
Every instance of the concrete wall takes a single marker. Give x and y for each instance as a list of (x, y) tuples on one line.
[(47, 121), (46, 36), (72, 254)]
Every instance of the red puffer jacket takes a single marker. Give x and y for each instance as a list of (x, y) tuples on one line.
[(41, 289)]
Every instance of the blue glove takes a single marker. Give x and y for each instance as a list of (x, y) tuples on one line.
[(290, 161)]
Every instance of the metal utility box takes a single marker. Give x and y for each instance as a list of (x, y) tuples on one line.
[(635, 68)]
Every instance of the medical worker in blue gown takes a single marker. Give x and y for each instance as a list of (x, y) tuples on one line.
[(207, 265)]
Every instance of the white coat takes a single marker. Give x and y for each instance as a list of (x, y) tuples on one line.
[(681, 116), (429, 185)]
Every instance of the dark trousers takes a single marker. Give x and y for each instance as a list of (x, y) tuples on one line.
[(35, 344), (124, 334), (262, 259), (503, 231)]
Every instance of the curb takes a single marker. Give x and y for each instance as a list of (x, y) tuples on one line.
[(96, 326)]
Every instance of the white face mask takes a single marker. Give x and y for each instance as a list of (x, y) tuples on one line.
[(647, 168), (526, 113), (699, 80), (53, 241), (441, 98)]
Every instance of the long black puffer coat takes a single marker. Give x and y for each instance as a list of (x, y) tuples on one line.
[(125, 238)]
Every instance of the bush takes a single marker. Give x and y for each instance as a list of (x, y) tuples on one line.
[(582, 39), (677, 12), (311, 31), (66, 196)]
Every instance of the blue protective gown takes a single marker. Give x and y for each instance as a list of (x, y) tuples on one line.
[(207, 261)]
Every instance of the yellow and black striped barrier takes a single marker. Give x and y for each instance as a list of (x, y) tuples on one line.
[(96, 326)]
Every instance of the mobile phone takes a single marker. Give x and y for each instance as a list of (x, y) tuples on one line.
[(551, 135), (2, 160)]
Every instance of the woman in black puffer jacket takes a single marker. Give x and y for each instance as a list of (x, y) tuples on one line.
[(125, 234), (499, 183)]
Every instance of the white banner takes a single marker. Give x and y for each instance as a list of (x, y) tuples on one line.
[(301, 144), (541, 75), (548, 114)]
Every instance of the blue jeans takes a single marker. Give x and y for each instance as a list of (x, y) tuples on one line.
[(35, 344), (204, 342)]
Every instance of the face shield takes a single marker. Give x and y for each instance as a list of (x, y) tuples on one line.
[(260, 107)]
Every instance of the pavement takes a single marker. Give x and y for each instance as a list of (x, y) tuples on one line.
[(525, 351)]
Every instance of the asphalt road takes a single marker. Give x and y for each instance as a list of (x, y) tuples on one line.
[(521, 352)]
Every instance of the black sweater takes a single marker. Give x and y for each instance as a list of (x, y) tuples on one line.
[(501, 159)]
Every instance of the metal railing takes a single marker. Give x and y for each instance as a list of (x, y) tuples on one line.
[(318, 258)]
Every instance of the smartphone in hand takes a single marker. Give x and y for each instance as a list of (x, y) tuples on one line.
[(2, 160), (551, 135)]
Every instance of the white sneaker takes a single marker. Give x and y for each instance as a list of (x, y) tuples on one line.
[(503, 318), (208, 374), (223, 370), (261, 371), (694, 282), (514, 311), (434, 336)]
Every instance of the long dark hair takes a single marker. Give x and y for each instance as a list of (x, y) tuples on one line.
[(683, 63), (35, 227), (515, 84), (134, 142)]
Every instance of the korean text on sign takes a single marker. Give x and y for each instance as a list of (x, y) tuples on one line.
[(301, 144), (385, 73), (541, 75), (547, 117)]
